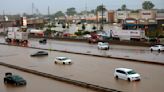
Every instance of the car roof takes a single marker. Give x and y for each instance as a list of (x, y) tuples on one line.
[(16, 76), (103, 43), (60, 57), (41, 51), (158, 45), (124, 69)]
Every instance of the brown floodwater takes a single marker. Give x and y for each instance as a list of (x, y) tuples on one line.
[(132, 52), (94, 70), (37, 84)]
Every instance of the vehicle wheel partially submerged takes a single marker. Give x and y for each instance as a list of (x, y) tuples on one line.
[(116, 77), (5, 81), (16, 84), (129, 79)]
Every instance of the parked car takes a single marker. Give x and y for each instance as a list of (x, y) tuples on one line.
[(158, 47), (63, 60), (14, 79), (43, 41), (126, 74), (40, 53), (87, 36), (103, 45)]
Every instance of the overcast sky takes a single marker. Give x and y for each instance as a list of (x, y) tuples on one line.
[(20, 6)]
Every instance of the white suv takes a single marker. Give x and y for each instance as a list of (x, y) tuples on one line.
[(103, 46), (126, 74)]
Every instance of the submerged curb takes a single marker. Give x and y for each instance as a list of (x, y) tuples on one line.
[(70, 81)]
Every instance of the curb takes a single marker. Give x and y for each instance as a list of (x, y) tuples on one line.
[(70, 81)]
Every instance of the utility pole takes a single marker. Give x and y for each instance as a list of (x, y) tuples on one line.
[(32, 9), (4, 21), (102, 17), (48, 12), (86, 13)]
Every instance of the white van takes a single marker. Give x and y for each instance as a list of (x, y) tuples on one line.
[(126, 74)]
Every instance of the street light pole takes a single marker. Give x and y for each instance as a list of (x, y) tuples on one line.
[(102, 15)]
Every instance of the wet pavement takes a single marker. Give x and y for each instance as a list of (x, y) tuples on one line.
[(90, 69), (36, 83), (129, 52)]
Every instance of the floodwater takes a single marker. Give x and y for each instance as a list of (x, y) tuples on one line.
[(131, 52), (37, 84), (94, 70)]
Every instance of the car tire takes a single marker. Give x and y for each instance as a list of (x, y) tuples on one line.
[(159, 50), (116, 77), (63, 63), (55, 62), (151, 49), (69, 62), (129, 79), (5, 81), (16, 84)]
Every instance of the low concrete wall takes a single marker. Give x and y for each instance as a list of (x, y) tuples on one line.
[(74, 82)]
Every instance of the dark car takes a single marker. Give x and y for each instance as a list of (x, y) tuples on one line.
[(14, 79), (43, 41), (39, 53)]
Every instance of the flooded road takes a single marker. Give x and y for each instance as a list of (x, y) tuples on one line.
[(94, 70), (130, 52), (37, 84)]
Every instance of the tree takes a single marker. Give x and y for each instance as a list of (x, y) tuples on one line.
[(147, 5), (101, 27), (63, 25), (59, 14), (71, 11), (123, 7), (100, 8), (92, 11), (83, 27), (94, 28)]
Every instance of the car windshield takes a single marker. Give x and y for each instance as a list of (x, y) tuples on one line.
[(63, 58), (18, 78), (41, 52), (104, 43), (131, 72), (160, 45)]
